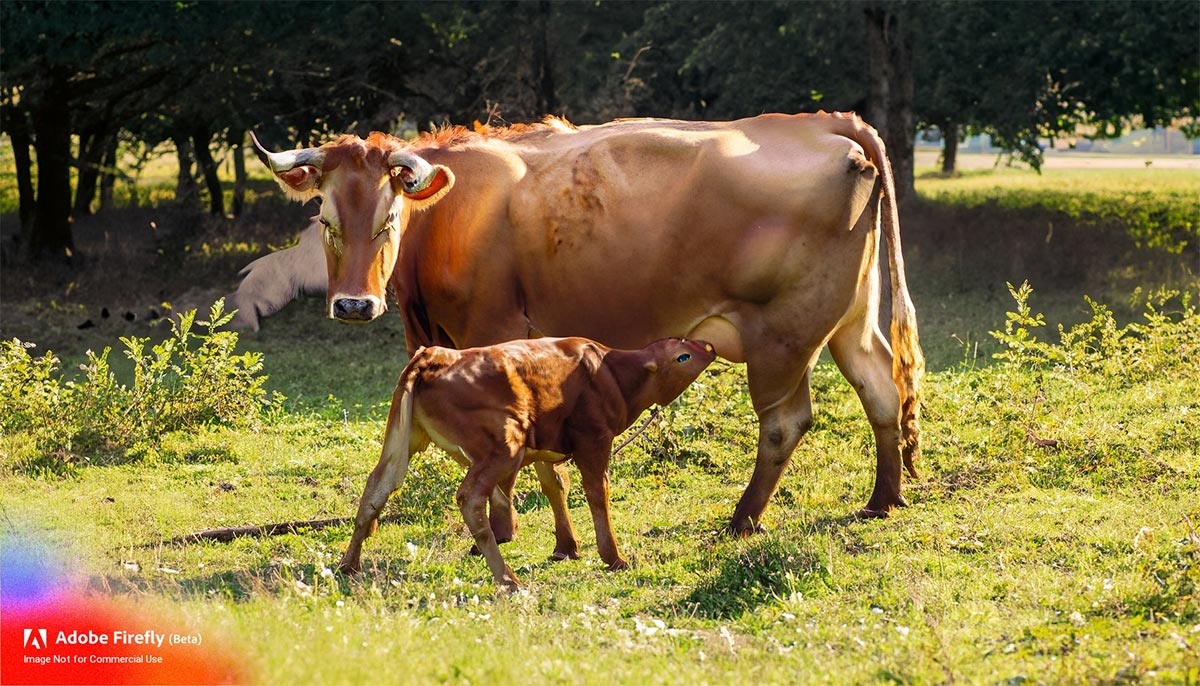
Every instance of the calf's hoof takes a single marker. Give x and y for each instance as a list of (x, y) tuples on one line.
[(565, 553), (880, 508), (475, 548), (745, 529), (509, 583), (868, 513), (618, 564), (350, 568)]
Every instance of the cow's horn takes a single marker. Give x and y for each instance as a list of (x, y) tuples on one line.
[(283, 161), (422, 172)]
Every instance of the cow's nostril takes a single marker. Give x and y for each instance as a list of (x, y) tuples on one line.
[(354, 309)]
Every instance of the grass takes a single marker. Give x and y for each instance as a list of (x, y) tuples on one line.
[(1157, 207), (1019, 561)]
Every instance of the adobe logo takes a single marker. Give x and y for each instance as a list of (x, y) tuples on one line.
[(35, 638)]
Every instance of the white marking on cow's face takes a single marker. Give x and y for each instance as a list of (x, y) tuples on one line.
[(361, 219)]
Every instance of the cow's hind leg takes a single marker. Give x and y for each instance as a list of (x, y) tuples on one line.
[(555, 482), (865, 360), (472, 497), (783, 402)]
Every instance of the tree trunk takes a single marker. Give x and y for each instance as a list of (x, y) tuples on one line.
[(204, 159), (543, 68), (237, 140), (18, 134), (902, 122), (109, 173), (91, 157), (879, 69), (949, 147), (186, 191), (51, 235), (890, 101)]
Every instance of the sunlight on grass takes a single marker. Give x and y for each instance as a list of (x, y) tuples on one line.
[(1052, 537)]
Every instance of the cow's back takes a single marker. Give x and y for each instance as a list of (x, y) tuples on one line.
[(641, 230)]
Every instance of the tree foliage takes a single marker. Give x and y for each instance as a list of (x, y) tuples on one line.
[(79, 77)]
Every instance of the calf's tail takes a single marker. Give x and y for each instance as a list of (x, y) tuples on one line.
[(908, 363)]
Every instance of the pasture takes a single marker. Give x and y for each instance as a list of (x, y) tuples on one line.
[(1054, 535)]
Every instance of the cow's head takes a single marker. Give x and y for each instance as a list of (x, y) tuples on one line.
[(368, 188)]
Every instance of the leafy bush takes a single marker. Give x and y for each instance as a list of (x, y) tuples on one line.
[(188, 380), (1168, 338)]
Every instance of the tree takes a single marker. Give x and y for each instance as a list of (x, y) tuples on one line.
[(1024, 71), (64, 61)]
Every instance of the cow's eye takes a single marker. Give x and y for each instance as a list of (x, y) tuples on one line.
[(324, 221), (683, 358)]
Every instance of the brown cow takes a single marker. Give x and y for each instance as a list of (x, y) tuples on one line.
[(769, 225), (496, 408)]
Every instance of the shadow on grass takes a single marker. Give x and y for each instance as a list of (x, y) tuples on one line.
[(739, 576)]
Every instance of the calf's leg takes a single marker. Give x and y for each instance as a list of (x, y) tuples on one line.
[(401, 441), (500, 511), (555, 481), (472, 497), (593, 469)]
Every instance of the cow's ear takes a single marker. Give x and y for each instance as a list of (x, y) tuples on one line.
[(651, 367), (299, 183), (441, 181)]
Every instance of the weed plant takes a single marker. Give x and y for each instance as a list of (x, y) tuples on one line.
[(190, 379)]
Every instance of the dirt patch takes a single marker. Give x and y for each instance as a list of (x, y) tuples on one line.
[(129, 265)]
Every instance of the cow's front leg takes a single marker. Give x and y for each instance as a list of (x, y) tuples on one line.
[(593, 469), (555, 481)]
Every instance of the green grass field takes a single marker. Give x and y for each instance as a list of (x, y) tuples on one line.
[(1053, 537)]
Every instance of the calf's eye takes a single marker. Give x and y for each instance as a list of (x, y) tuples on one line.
[(683, 358)]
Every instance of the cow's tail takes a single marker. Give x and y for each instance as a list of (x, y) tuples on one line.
[(908, 363)]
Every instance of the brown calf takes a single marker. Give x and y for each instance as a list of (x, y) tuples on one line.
[(487, 406)]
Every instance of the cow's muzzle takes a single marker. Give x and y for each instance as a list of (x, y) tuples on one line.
[(355, 309)]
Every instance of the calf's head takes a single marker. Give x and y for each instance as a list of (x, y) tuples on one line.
[(673, 364), (368, 189)]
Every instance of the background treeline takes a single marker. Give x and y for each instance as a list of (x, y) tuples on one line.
[(91, 89)]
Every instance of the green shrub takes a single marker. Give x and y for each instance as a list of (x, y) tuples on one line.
[(1168, 338), (188, 380)]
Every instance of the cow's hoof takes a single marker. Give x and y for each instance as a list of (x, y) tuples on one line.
[(618, 564), (559, 556), (350, 568)]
